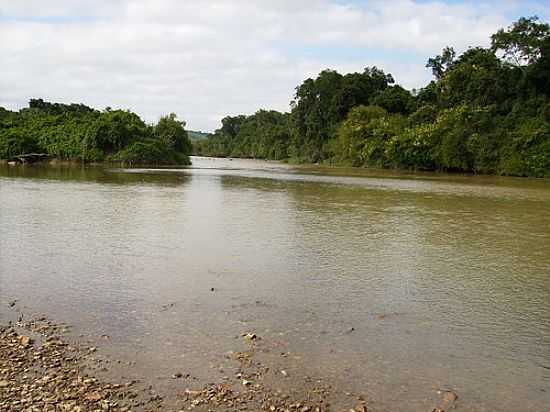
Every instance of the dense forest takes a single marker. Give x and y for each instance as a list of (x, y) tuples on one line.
[(197, 135), (486, 111), (78, 132)]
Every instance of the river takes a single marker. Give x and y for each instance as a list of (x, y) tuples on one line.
[(392, 284)]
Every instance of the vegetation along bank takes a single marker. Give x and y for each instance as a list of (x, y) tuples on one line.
[(78, 132), (486, 111)]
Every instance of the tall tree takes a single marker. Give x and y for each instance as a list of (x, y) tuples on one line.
[(523, 42), (442, 62)]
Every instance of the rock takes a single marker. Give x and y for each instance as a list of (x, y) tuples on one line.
[(25, 341), (93, 396), (167, 306), (193, 394), (361, 407), (449, 396), (448, 400), (250, 336), (177, 375), (48, 375)]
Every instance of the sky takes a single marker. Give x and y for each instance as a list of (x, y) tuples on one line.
[(205, 59)]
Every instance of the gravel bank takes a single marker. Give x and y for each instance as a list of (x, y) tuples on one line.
[(44, 369), (40, 370)]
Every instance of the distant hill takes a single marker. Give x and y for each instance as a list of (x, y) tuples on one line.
[(195, 135)]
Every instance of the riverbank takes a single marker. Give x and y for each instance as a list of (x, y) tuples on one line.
[(40, 370), (44, 368), (77, 162), (332, 166)]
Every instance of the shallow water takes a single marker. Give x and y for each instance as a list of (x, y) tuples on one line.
[(445, 280)]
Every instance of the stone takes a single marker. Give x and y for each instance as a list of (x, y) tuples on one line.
[(25, 341)]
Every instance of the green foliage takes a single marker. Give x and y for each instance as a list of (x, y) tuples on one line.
[(477, 77), (441, 63), (528, 151), (395, 99), (197, 135), (453, 137), (321, 104), (481, 114), (15, 141), (171, 132), (424, 114), (78, 132), (263, 135), (412, 148), (522, 42), (486, 111), (114, 130), (429, 95), (150, 151), (357, 137)]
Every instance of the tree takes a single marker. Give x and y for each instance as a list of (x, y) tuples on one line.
[(354, 132), (476, 77), (231, 125), (441, 63), (395, 99), (116, 129), (263, 135), (76, 131), (479, 114), (523, 41), (321, 104), (172, 132), (539, 73)]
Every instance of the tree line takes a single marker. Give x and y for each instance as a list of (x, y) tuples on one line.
[(78, 132), (486, 111)]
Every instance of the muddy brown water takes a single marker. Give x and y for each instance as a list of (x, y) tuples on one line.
[(393, 285)]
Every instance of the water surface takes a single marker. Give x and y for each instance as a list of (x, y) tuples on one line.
[(445, 280)]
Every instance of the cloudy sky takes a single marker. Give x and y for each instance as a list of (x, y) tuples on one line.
[(205, 59)]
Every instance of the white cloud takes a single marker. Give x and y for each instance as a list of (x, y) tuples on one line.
[(205, 59)]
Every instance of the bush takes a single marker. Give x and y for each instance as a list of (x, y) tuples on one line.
[(150, 151), (79, 132), (528, 153)]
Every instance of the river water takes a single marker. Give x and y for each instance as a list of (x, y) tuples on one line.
[(394, 285)]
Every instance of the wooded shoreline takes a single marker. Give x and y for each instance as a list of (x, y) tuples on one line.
[(487, 111)]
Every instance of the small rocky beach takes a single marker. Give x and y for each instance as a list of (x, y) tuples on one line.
[(43, 367)]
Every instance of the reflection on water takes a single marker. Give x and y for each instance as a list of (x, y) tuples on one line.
[(90, 174), (444, 279)]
